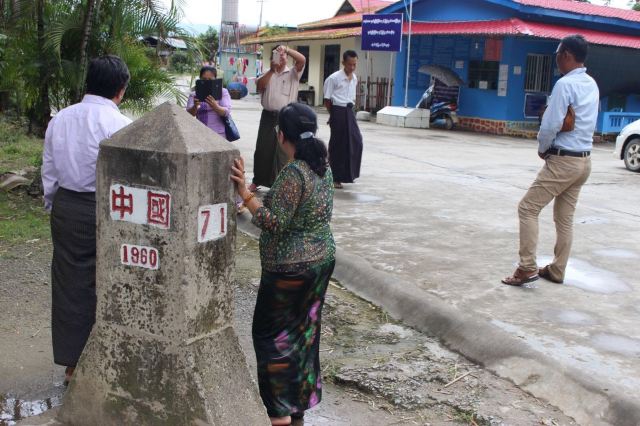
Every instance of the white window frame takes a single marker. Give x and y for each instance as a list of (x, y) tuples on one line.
[(538, 74)]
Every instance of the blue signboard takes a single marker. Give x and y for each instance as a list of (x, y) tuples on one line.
[(382, 32)]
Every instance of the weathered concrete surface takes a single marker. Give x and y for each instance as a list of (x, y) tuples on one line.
[(163, 349), (433, 223)]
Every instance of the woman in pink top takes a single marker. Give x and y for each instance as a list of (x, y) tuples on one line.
[(209, 111)]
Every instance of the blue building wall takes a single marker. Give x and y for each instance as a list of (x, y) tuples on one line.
[(450, 51), (458, 10), (477, 10), (633, 103)]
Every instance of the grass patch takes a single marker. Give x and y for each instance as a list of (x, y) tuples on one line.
[(18, 150), (22, 218), (468, 417)]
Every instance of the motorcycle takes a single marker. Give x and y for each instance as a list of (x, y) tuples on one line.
[(442, 113)]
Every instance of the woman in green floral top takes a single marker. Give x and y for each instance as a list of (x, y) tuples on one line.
[(297, 253)]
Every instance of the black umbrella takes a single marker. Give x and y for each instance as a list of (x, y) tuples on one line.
[(444, 74)]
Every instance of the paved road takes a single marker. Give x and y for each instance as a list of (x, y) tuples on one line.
[(439, 209)]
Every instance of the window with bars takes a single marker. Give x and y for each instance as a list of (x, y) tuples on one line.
[(538, 74), (483, 74)]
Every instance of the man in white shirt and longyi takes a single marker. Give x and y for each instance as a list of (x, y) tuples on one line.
[(345, 144), (70, 154), (564, 143)]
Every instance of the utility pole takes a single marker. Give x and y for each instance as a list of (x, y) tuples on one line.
[(406, 78), (260, 21)]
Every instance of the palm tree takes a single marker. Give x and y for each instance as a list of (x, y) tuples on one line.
[(45, 46)]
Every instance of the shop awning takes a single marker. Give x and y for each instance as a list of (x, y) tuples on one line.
[(518, 27)]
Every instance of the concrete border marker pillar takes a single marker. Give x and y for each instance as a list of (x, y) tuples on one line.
[(163, 349)]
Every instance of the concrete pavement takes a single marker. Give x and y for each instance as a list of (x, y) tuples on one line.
[(432, 224)]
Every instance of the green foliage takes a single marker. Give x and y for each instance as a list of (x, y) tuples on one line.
[(41, 51), (181, 63), (636, 6), (209, 43), (17, 150), (22, 218), (273, 30)]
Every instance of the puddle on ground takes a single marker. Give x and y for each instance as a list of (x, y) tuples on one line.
[(12, 410), (587, 277), (568, 317), (616, 253), (357, 197), (618, 344), (592, 220)]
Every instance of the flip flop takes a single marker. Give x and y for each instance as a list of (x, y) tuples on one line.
[(337, 185)]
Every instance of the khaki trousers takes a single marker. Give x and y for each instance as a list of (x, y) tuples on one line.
[(561, 179)]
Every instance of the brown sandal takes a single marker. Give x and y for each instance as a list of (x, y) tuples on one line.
[(546, 274), (520, 277)]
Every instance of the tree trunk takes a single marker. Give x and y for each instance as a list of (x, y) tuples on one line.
[(84, 46), (41, 113)]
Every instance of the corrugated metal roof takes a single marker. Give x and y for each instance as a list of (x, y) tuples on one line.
[(350, 18), (361, 7), (584, 9), (366, 6), (306, 35), (517, 27)]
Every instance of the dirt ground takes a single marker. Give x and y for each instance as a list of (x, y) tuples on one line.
[(376, 371)]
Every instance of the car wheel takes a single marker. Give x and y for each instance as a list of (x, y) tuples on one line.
[(632, 155)]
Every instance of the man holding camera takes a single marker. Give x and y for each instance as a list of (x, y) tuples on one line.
[(278, 87)]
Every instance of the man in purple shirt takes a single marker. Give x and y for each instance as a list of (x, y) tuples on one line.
[(69, 178)]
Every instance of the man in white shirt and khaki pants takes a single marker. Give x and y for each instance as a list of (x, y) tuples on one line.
[(345, 144), (71, 147), (565, 140)]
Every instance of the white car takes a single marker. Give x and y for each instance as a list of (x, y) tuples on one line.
[(628, 146)]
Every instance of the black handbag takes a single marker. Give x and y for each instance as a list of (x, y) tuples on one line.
[(230, 130)]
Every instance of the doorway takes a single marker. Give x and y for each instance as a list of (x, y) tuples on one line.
[(331, 59)]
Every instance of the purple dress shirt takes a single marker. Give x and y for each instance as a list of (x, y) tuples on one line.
[(71, 145), (208, 116)]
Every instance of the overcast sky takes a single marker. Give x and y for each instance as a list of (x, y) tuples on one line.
[(279, 12)]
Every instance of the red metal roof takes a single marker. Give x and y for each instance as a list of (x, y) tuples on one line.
[(517, 27), (349, 18), (361, 7), (366, 6), (584, 8)]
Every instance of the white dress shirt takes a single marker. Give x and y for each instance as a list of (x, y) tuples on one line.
[(71, 145), (282, 89), (340, 89), (580, 91)]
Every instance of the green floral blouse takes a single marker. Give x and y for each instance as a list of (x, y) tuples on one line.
[(295, 220)]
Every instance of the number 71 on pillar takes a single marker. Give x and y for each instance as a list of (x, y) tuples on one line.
[(212, 222)]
